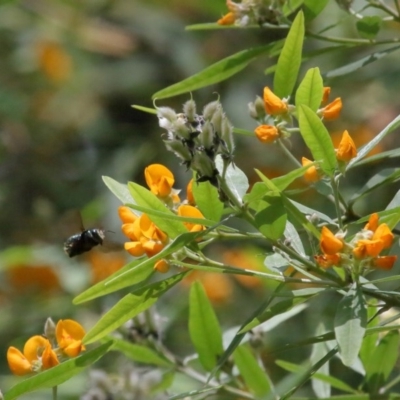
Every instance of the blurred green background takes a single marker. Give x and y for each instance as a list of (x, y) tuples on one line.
[(70, 72)]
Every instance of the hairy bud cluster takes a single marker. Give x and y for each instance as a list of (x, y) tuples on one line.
[(198, 138)]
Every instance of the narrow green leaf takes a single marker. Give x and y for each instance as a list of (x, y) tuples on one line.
[(215, 73), (270, 218), (312, 8), (332, 381), (60, 373), (310, 90), (382, 361), (255, 377), (291, 6), (290, 59), (129, 306), (140, 272), (369, 341), (278, 308), (383, 177), (386, 155), (317, 139), (141, 354), (350, 324), (356, 65), (120, 190), (145, 109), (145, 198), (369, 26), (207, 199), (204, 328)]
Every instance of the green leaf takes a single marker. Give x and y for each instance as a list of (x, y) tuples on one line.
[(60, 373), (350, 324), (369, 26), (255, 377), (290, 59), (356, 65), (140, 354), (145, 109), (291, 6), (215, 73), (310, 90), (207, 199), (317, 139), (370, 145), (120, 190), (386, 155), (139, 272), (332, 381), (382, 361), (312, 8), (278, 308), (234, 177), (270, 218), (204, 328), (383, 177), (369, 341), (145, 198), (129, 306)]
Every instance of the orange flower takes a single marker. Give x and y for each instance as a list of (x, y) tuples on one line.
[(145, 237), (273, 104), (266, 133), (332, 110), (162, 266), (372, 223), (384, 234), (54, 61), (192, 212), (368, 248), (311, 174), (189, 193), (329, 243), (159, 179), (385, 262), (38, 355), (69, 335), (326, 91), (326, 260), (227, 19), (347, 149)]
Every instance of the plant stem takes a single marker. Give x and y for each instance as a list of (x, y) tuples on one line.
[(288, 153), (54, 391), (337, 201)]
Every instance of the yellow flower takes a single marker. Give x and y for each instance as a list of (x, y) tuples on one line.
[(347, 149), (273, 104), (311, 174), (159, 179), (162, 266), (326, 91), (227, 19), (329, 243), (332, 110), (192, 212), (266, 133), (38, 355), (368, 248), (69, 335), (384, 234), (326, 260)]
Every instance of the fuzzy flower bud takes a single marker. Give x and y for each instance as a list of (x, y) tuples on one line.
[(179, 149), (207, 135), (210, 109), (227, 137), (189, 109), (166, 117)]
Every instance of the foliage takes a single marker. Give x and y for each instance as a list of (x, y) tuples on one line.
[(327, 290)]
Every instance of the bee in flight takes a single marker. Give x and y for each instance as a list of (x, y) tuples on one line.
[(84, 241)]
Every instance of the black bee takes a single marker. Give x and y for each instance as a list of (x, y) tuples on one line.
[(84, 241)]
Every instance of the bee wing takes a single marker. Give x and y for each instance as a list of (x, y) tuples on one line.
[(111, 245)]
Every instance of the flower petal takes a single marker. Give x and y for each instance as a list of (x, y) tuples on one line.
[(267, 133), (347, 149), (17, 362), (384, 233), (273, 104), (329, 243)]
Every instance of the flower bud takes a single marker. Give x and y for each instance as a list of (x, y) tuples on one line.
[(50, 329), (166, 116), (204, 166), (227, 19), (189, 109), (267, 133), (346, 149), (207, 136), (210, 109), (332, 110), (227, 138), (311, 174), (216, 120), (179, 149), (273, 104), (162, 266), (180, 127)]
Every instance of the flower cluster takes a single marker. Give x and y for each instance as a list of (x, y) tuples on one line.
[(362, 252), (40, 353), (249, 12), (198, 138), (274, 113), (145, 237)]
